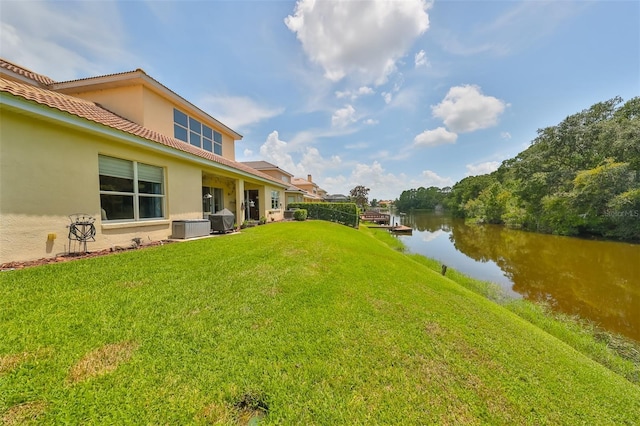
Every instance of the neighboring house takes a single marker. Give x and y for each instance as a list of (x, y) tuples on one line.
[(337, 198), (122, 148), (313, 193), (292, 194)]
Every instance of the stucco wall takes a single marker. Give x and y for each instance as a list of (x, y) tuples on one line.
[(146, 107), (125, 101), (158, 113), (48, 172)]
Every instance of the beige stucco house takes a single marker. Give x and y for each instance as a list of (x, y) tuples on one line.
[(292, 194), (121, 148), (313, 193)]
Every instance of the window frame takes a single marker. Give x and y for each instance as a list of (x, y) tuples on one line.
[(136, 194), (199, 130), (275, 200)]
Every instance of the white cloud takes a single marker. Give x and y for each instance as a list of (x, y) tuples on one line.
[(382, 185), (64, 40), (430, 178), (237, 111), (282, 154), (247, 153), (355, 94), (343, 117), (465, 109), (420, 59), (387, 97), (505, 135), (482, 168), (360, 38), (370, 121), (435, 137)]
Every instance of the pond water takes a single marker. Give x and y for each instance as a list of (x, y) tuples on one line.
[(597, 280)]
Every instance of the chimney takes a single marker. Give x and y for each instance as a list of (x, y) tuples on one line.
[(309, 178)]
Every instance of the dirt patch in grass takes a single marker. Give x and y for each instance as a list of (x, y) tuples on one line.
[(135, 283), (216, 414), (248, 409), (9, 362), (102, 361), (26, 413)]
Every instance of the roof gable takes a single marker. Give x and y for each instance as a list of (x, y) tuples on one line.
[(138, 77)]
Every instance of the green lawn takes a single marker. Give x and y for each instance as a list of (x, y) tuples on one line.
[(288, 323)]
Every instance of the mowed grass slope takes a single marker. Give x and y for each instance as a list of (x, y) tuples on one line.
[(289, 323)]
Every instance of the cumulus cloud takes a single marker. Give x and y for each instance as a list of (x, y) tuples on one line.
[(482, 168), (344, 116), (282, 153), (431, 178), (387, 97), (420, 59), (465, 109), (370, 121), (505, 135), (238, 111), (439, 136), (360, 38), (382, 185)]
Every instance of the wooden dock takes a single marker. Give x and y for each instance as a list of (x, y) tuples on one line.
[(401, 229), (394, 229)]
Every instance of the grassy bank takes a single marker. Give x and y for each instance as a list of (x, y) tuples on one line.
[(616, 352), (294, 323)]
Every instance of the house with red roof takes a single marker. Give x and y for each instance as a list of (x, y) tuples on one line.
[(114, 159)]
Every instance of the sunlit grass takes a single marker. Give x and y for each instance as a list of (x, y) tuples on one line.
[(616, 352), (288, 323)]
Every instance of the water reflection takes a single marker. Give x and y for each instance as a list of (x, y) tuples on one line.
[(597, 280)]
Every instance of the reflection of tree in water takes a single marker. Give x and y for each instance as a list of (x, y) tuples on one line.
[(598, 280), (430, 222)]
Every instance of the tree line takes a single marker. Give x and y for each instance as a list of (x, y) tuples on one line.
[(579, 177)]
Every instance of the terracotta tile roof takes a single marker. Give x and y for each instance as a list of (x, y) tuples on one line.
[(37, 78), (95, 113), (260, 165)]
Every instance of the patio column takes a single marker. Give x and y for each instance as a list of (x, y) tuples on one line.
[(240, 210)]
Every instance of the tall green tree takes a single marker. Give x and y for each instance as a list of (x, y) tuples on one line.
[(359, 195), (581, 176)]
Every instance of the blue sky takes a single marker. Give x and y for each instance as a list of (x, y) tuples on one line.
[(392, 95)]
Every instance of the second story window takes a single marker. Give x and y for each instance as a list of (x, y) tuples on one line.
[(190, 130)]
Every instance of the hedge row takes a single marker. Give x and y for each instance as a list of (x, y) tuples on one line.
[(344, 213)]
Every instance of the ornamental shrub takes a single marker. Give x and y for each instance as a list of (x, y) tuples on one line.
[(300, 214), (343, 213)]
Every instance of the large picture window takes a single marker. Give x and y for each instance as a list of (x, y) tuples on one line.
[(190, 130), (130, 190)]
